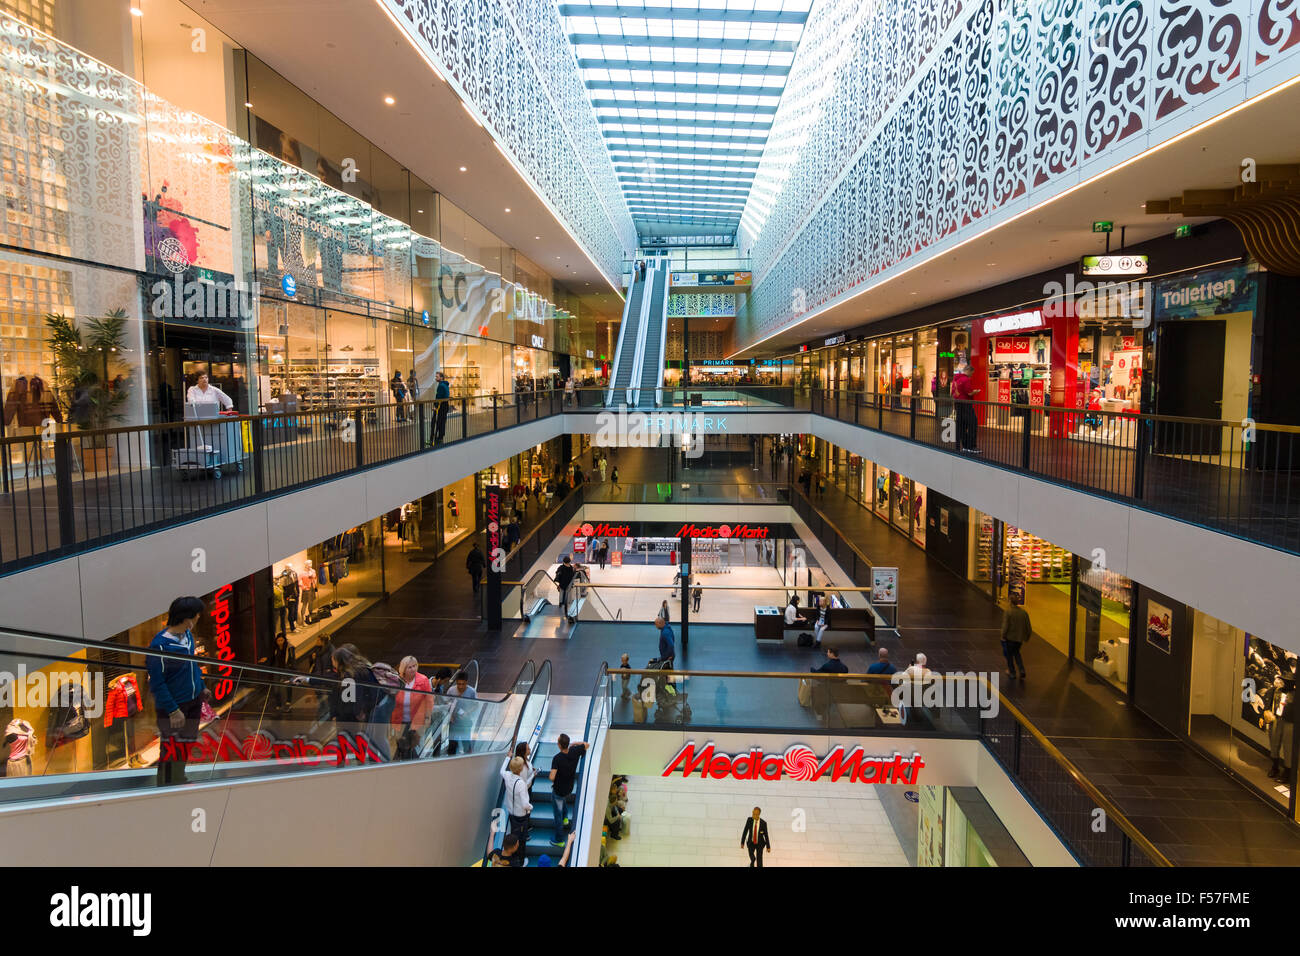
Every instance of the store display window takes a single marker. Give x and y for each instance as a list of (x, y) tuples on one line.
[(1104, 605), (1243, 690)]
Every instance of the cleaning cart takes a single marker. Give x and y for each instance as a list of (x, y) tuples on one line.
[(212, 444)]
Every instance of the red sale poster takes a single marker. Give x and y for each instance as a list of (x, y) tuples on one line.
[(1037, 392)]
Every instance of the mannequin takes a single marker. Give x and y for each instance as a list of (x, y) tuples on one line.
[(124, 702), (288, 582), (307, 587), (20, 736)]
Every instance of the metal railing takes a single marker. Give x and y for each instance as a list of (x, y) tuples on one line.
[(1241, 478), (72, 490), (528, 724), (597, 721), (888, 706)]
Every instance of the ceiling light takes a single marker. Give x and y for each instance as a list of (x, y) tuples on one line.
[(537, 237), (419, 210), (471, 114), (462, 169), (389, 100), (248, 106), (507, 208), (137, 12)]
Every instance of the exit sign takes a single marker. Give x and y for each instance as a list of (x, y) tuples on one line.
[(1182, 232), (1103, 226)]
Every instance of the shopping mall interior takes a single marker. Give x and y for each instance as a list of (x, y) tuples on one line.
[(562, 431)]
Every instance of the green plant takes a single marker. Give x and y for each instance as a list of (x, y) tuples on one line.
[(83, 360)]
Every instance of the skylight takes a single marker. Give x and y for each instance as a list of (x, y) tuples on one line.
[(685, 92)]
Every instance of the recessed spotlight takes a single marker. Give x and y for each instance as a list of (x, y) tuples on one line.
[(462, 169), (507, 208), (389, 100), (248, 106), (537, 237), (137, 12)]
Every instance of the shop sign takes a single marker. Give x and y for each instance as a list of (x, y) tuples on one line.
[(1116, 265), (836, 340), (590, 354), (603, 530), (1207, 293), (884, 585), (685, 278), (537, 341), (1013, 322), (261, 746), (221, 614), (721, 531), (579, 545), (492, 510), (798, 763)]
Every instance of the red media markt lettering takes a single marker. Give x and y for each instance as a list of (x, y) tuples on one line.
[(721, 531), (797, 763)]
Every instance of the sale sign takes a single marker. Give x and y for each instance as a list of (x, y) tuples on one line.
[(1037, 392), (1004, 390), (1012, 348)]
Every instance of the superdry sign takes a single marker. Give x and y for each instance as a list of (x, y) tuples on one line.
[(721, 531), (798, 763)]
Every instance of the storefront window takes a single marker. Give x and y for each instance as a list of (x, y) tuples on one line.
[(1242, 694), (1102, 621)]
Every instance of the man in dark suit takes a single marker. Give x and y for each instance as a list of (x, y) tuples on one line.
[(754, 838)]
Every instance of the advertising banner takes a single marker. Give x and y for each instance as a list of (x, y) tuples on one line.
[(884, 585)]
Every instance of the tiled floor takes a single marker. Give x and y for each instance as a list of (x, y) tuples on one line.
[(696, 822)]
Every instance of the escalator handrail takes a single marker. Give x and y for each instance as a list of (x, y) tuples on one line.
[(663, 346), (587, 773), (622, 337), (514, 739), (634, 380)]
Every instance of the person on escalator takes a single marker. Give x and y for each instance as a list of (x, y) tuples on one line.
[(519, 808), (563, 578), (564, 771)]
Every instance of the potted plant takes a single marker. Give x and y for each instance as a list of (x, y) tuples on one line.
[(83, 379)]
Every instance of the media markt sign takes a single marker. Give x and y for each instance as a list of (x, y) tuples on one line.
[(798, 763)]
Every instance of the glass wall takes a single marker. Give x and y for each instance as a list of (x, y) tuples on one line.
[(1104, 607)]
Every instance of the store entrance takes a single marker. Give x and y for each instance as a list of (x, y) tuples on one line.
[(1190, 364)]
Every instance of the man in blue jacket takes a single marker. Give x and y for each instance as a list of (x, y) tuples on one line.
[(667, 640), (177, 688)]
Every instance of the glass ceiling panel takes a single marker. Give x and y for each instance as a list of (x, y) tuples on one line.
[(686, 92)]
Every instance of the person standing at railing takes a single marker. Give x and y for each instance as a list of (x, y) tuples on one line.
[(964, 390), (442, 401), (569, 390), (398, 388), (177, 688)]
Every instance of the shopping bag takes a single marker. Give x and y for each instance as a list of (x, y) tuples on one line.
[(805, 692)]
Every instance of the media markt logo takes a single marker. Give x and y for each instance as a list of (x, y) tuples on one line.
[(798, 763)]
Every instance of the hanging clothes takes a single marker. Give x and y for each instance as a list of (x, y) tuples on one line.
[(69, 719), (21, 738), (123, 699)]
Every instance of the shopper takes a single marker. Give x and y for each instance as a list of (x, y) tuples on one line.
[(511, 852), (411, 710), (462, 715), (613, 478), (519, 808), (563, 579), (882, 664), (697, 595), (604, 552), (667, 642), (833, 664), (625, 663), (604, 463), (564, 772), (442, 400), (820, 627), (453, 508), (356, 694), (754, 838), (568, 390), (441, 682), (177, 687), (474, 564), (918, 670), (792, 616), (398, 388), (514, 531), (663, 607), (284, 657), (964, 391), (544, 860), (1016, 630)]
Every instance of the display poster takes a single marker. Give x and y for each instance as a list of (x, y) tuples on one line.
[(1012, 348), (1265, 664), (1123, 366), (616, 558), (1159, 626), (884, 585), (1004, 390), (1038, 392), (929, 834), (943, 521)]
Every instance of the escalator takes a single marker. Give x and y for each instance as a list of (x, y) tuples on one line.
[(651, 380), (629, 337), (539, 606)]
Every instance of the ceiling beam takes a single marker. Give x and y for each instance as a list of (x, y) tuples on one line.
[(684, 66), (689, 43), (618, 11)]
